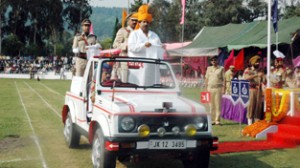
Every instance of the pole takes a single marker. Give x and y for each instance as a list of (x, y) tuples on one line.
[(181, 58), (128, 6), (269, 44), (0, 30)]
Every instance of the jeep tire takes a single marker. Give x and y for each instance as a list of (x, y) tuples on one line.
[(72, 136), (100, 156)]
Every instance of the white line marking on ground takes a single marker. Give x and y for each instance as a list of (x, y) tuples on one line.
[(56, 112), (18, 160), (35, 138), (51, 90)]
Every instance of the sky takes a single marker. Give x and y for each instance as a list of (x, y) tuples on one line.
[(112, 3)]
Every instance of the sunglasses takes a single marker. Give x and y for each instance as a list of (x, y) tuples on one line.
[(213, 60)]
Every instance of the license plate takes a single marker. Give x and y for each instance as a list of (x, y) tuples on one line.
[(167, 144)]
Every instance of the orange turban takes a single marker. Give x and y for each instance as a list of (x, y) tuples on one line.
[(143, 13), (254, 59)]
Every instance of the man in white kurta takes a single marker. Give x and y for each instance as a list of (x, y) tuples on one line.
[(146, 44)]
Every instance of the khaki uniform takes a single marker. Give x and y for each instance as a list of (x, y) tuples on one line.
[(228, 77), (277, 78), (214, 78), (120, 70), (290, 80), (254, 108), (80, 42)]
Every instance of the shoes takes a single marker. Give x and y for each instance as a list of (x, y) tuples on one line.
[(213, 123), (218, 123)]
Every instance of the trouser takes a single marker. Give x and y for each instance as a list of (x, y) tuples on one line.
[(253, 103), (215, 103), (80, 65)]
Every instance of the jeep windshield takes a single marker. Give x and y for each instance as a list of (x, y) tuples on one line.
[(136, 73)]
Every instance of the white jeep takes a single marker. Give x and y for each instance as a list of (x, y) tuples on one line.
[(138, 111)]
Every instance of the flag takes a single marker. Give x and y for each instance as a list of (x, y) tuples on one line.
[(221, 57), (229, 61), (296, 61), (91, 29), (183, 11), (239, 61), (275, 15), (124, 15)]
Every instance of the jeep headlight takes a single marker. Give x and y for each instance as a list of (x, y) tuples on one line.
[(201, 123), (190, 130), (127, 124), (143, 130)]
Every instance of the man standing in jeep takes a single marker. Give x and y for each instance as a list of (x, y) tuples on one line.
[(79, 47), (120, 70)]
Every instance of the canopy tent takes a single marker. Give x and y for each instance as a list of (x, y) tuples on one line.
[(237, 36)]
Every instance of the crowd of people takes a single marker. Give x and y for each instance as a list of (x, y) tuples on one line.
[(41, 65)]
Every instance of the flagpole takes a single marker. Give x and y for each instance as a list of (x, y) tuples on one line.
[(182, 22), (269, 44), (181, 59)]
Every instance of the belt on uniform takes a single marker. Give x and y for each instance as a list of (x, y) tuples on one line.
[(82, 55), (215, 86)]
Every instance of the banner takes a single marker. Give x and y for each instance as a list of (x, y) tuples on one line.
[(244, 89), (235, 89)]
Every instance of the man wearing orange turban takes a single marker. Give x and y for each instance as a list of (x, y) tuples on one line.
[(144, 43), (143, 38), (255, 79)]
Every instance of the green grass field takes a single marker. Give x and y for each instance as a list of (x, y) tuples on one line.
[(31, 133)]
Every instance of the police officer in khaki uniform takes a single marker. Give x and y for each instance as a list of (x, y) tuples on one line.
[(120, 71), (79, 47), (228, 77), (214, 79), (251, 74)]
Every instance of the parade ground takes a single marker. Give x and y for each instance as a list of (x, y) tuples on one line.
[(31, 133)]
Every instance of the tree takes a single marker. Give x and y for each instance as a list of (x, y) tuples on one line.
[(159, 10), (75, 11), (106, 43), (292, 10), (135, 6), (257, 9), (116, 28), (12, 45)]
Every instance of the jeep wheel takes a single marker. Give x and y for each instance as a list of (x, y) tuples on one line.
[(72, 136), (100, 157), (200, 160)]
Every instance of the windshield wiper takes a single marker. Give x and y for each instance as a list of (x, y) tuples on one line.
[(158, 86)]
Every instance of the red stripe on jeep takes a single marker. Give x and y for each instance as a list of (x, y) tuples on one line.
[(149, 113), (131, 107), (189, 103), (135, 91), (76, 97)]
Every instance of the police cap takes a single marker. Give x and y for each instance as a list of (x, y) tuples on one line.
[(86, 22)]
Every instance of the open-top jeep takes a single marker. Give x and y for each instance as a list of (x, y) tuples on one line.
[(139, 114)]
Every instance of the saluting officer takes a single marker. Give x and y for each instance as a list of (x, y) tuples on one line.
[(79, 47)]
